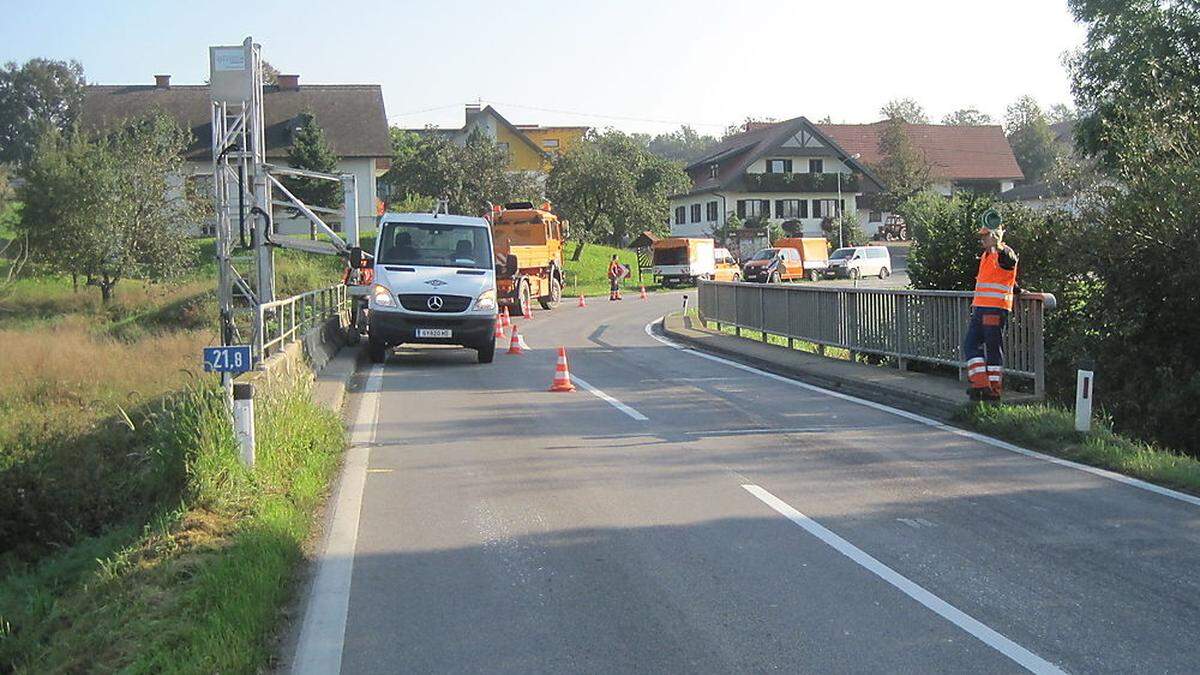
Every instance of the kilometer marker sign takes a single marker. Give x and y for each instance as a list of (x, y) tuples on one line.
[(230, 359)]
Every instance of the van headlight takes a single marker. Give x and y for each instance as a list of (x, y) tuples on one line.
[(382, 296), (486, 300)]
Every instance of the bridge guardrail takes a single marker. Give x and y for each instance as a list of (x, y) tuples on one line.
[(908, 325), (287, 319)]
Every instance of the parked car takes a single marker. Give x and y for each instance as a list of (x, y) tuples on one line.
[(726, 267), (773, 265), (853, 262)]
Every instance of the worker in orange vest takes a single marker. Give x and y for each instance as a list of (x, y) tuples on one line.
[(995, 288), (616, 272)]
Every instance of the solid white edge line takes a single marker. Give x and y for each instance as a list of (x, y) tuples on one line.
[(323, 633), (921, 419), (1018, 654), (609, 400)]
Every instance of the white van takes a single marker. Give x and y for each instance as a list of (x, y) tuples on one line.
[(853, 262), (435, 283)]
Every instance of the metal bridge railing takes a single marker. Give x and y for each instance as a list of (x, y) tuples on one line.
[(908, 325), (285, 320)]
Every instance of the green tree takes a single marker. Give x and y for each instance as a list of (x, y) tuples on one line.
[(1061, 112), (310, 150), (745, 125), (967, 117), (1030, 137), (109, 208), (906, 110), (610, 187), (902, 167), (684, 145), (38, 95)]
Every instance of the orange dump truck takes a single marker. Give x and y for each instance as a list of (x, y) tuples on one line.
[(528, 249)]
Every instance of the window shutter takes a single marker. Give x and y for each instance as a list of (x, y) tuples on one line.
[(816, 208), (778, 208), (765, 209), (803, 208), (787, 166), (741, 208)]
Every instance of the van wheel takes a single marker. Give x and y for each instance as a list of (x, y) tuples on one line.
[(814, 275), (486, 352), (376, 351), (555, 297), (883, 273)]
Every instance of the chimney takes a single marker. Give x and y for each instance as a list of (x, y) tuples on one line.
[(162, 81), (288, 82), (472, 110)]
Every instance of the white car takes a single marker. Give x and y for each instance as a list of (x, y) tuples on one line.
[(854, 262), (434, 284)]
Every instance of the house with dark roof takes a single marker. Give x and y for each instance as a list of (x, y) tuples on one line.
[(352, 116), (798, 171), (785, 171), (530, 147)]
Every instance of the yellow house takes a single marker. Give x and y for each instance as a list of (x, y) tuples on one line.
[(530, 147)]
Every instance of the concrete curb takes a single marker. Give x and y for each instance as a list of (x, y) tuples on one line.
[(855, 380)]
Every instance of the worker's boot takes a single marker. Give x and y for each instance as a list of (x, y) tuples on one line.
[(975, 393)]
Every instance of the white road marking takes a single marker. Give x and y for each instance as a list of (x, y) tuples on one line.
[(323, 633), (1018, 654), (765, 430), (921, 419), (610, 400)]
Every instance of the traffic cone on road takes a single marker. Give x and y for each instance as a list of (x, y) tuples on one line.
[(514, 345), (562, 377), (504, 320), (499, 329), (528, 313), (581, 302), (644, 296)]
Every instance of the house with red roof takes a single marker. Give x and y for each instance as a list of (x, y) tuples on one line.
[(803, 172)]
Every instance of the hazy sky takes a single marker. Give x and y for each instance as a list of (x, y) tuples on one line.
[(635, 65)]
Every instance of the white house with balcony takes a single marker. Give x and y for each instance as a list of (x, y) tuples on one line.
[(786, 172)]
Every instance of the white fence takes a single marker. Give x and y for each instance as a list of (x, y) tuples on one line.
[(285, 320), (907, 325)]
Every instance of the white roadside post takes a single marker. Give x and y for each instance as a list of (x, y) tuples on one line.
[(243, 421), (1085, 390), (685, 305)]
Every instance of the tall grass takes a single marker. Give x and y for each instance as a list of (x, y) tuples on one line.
[(199, 588)]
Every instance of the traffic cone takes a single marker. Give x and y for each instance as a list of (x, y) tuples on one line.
[(644, 296), (528, 313), (581, 302), (499, 330), (562, 377), (504, 320), (514, 345)]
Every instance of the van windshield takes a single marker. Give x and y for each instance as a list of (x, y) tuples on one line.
[(435, 245), (842, 253), (766, 254)]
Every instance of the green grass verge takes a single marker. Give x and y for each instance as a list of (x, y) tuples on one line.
[(1051, 429), (781, 341), (199, 587), (589, 274)]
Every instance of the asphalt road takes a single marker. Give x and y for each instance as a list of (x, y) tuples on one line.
[(723, 521)]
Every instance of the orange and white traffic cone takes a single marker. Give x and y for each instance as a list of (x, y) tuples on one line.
[(499, 329), (562, 376), (514, 345), (528, 313), (504, 320), (644, 296), (581, 302)]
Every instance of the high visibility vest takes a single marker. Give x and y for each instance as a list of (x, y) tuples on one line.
[(993, 284)]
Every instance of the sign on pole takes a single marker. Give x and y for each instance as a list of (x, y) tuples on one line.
[(230, 359)]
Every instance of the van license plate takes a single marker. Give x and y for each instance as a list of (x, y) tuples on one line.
[(434, 332)]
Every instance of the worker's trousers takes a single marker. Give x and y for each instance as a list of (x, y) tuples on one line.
[(983, 348)]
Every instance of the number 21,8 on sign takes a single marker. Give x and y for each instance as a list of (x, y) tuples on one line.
[(232, 359)]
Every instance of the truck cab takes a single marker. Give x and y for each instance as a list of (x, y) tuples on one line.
[(435, 283)]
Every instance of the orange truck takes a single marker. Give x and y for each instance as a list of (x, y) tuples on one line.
[(528, 244)]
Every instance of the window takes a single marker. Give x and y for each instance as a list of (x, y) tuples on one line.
[(695, 213), (875, 217), (550, 143), (753, 208), (714, 170), (791, 208), (779, 166), (816, 166), (825, 208), (791, 254), (680, 215), (435, 244), (712, 212)]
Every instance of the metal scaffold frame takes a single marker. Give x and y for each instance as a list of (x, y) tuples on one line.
[(244, 187)]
